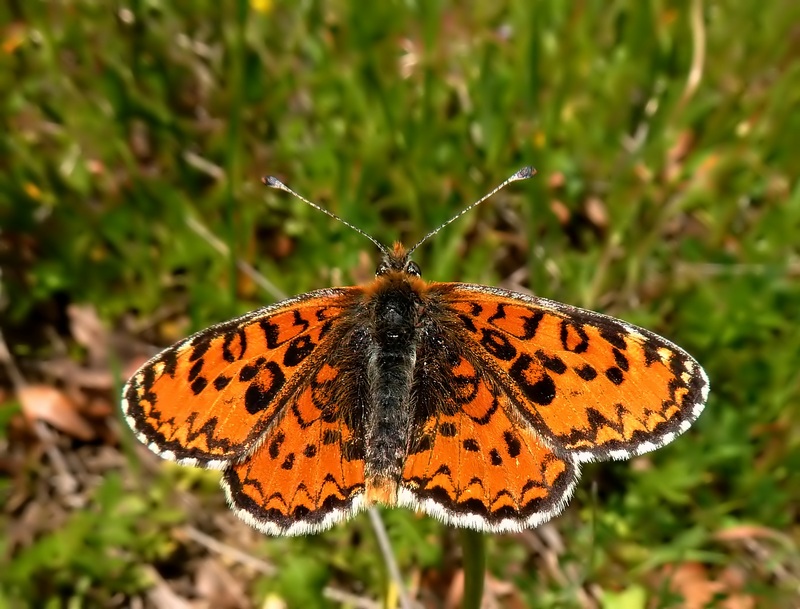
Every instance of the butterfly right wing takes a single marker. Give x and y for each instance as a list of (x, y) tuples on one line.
[(471, 465), (593, 387), (209, 399)]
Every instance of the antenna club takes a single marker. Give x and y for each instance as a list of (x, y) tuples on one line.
[(272, 182), (524, 173)]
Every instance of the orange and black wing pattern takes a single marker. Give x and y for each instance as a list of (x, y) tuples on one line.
[(473, 465), (259, 396), (308, 474), (591, 386), (514, 392)]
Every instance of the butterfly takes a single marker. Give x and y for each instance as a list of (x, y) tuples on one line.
[(473, 404)]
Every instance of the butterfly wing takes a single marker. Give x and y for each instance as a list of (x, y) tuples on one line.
[(513, 392), (591, 386), (209, 399), (277, 399), (470, 463), (309, 472)]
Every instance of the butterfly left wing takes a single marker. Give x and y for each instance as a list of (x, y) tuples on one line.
[(209, 399), (593, 387), (308, 474)]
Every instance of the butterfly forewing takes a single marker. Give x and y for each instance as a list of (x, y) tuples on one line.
[(209, 399), (591, 386)]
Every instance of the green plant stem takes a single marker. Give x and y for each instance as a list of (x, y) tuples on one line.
[(473, 545)]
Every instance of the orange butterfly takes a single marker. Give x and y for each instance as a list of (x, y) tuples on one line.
[(473, 404)]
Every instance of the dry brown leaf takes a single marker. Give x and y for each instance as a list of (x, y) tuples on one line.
[(692, 581), (556, 180), (48, 404), (561, 211), (216, 585), (455, 592), (89, 332), (596, 212), (744, 532), (677, 153), (162, 596)]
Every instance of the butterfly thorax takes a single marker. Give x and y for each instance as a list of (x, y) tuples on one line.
[(395, 301)]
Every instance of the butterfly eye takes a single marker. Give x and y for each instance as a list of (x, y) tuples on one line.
[(412, 268), (382, 269)]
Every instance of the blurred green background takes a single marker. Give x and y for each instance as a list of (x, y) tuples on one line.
[(132, 141)]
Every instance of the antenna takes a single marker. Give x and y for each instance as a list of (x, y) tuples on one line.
[(522, 174), (274, 182)]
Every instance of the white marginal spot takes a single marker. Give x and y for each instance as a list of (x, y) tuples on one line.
[(698, 409), (646, 447), (665, 354), (633, 332), (184, 346), (619, 454), (158, 367), (669, 437), (164, 454), (584, 456), (706, 385), (217, 464)]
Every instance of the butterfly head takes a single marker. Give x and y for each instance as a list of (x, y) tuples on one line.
[(397, 260)]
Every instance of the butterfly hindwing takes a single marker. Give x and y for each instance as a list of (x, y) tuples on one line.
[(471, 465), (308, 473)]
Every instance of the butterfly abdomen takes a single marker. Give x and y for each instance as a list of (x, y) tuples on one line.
[(395, 306)]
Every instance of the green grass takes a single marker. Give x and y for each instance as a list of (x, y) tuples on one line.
[(119, 125)]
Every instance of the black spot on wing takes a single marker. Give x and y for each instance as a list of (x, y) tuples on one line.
[(447, 429), (551, 362), (542, 391), (513, 445), (262, 388), (232, 352), (299, 349), (199, 347), (621, 360), (497, 345), (615, 375), (195, 370), (198, 385), (468, 323), (274, 447), (573, 337), (614, 335), (471, 445), (531, 325), (586, 372), (221, 382)]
